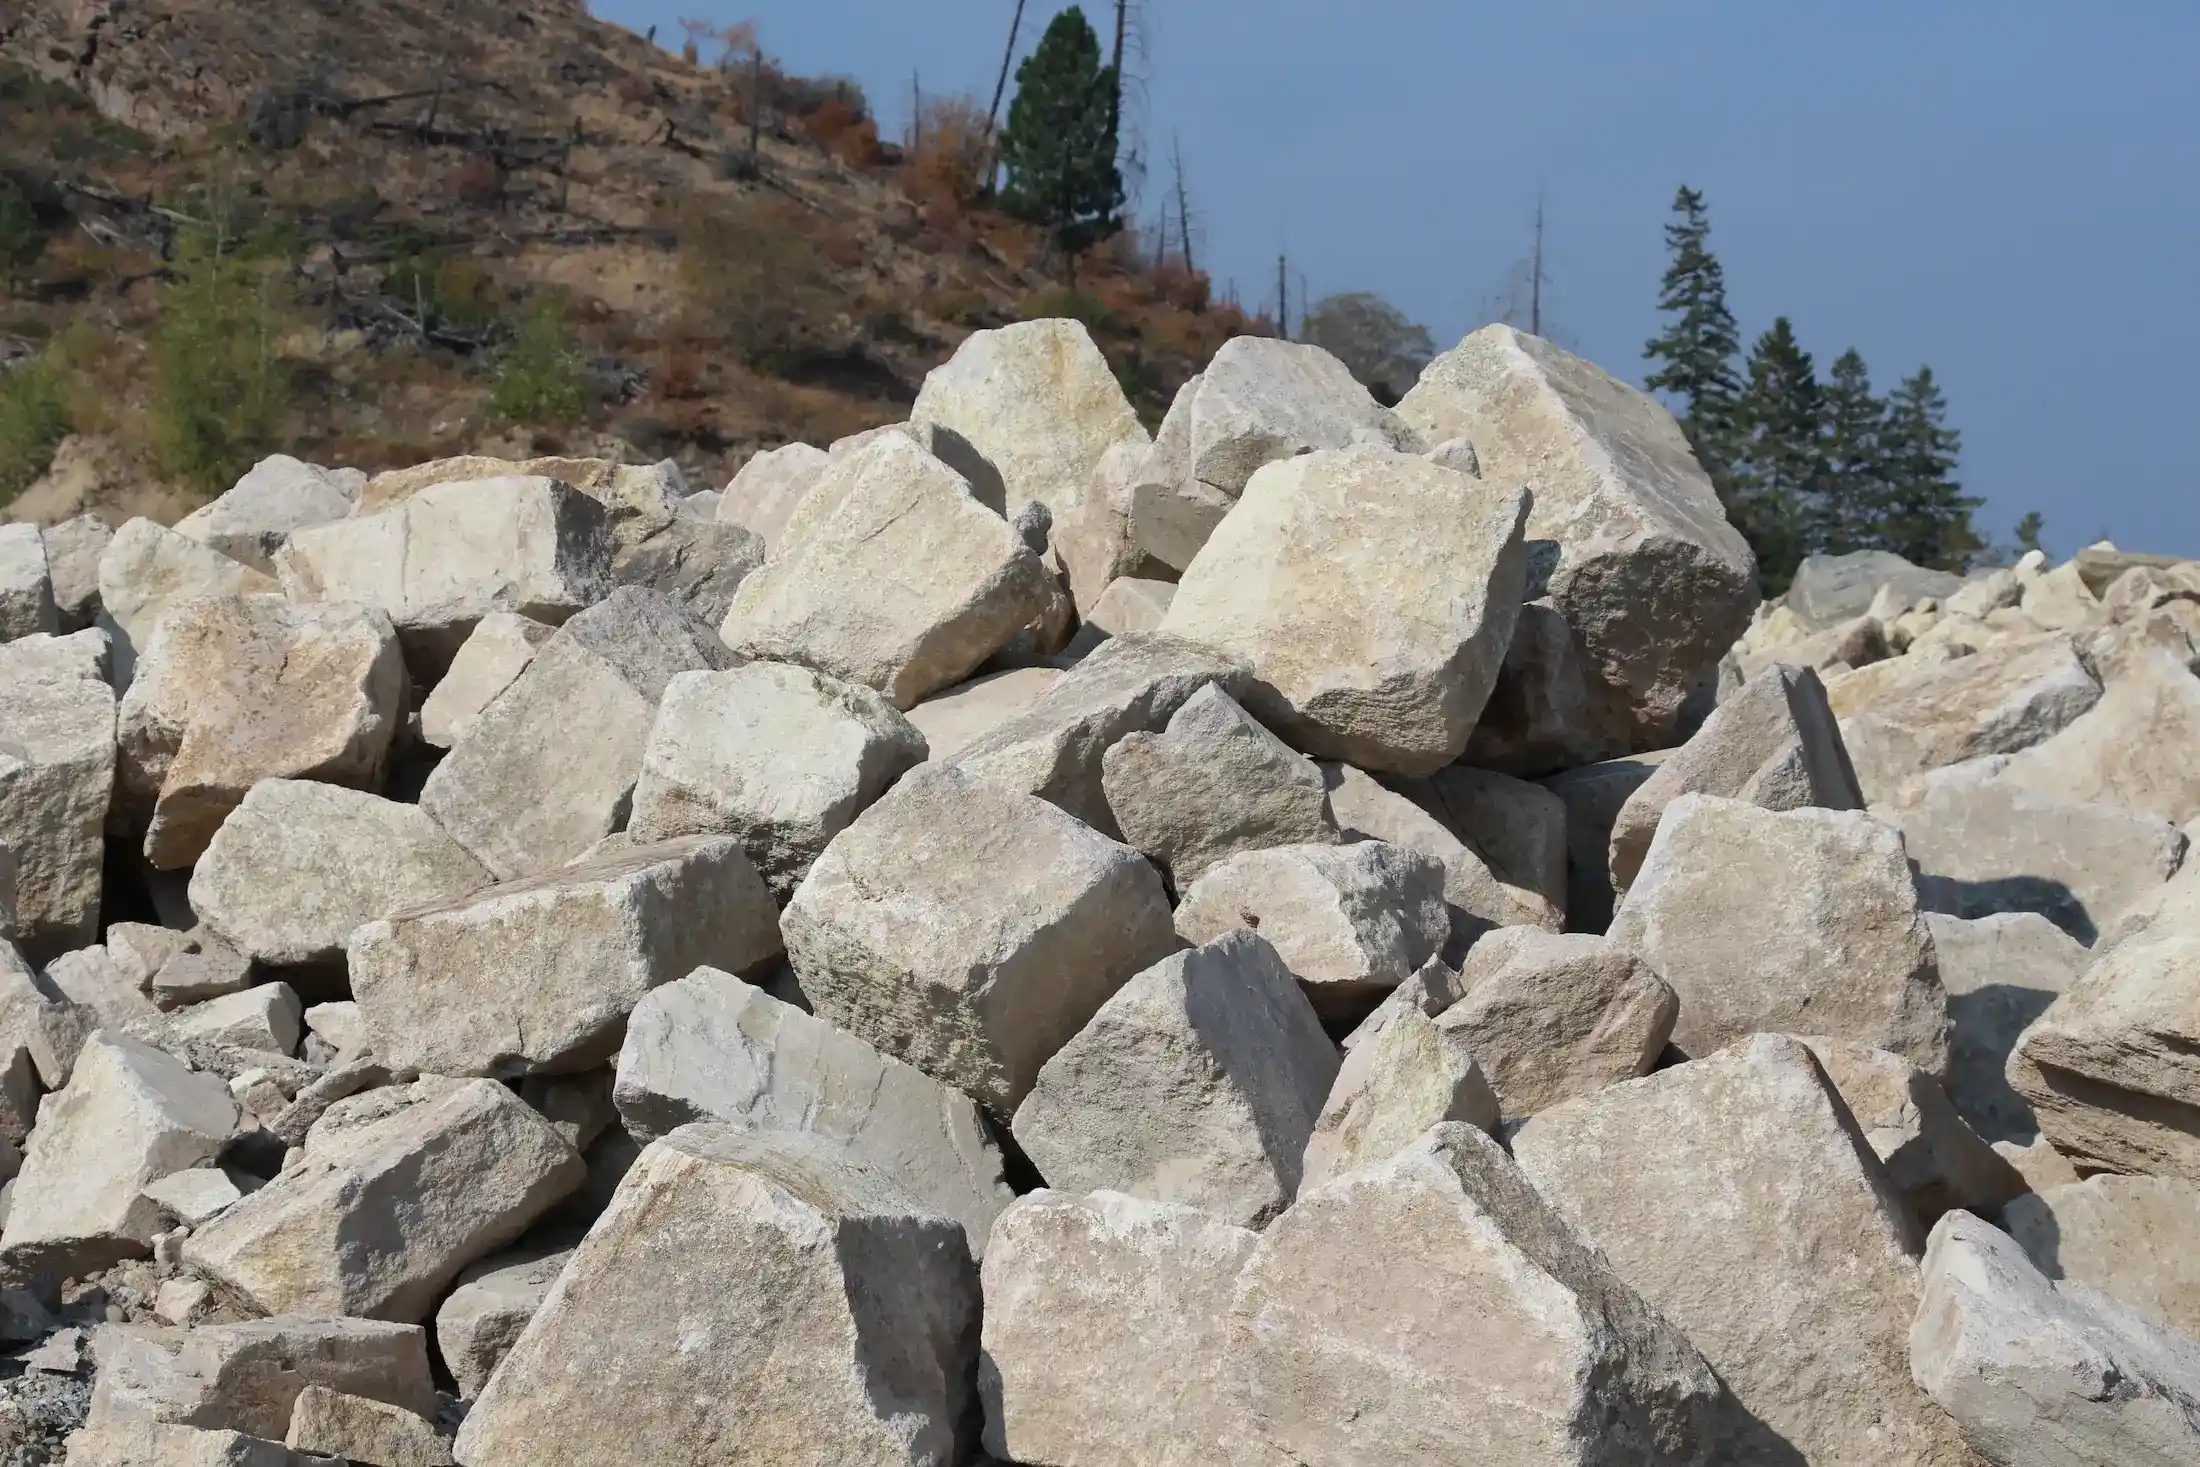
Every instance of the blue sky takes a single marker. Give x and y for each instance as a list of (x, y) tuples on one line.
[(2010, 192)]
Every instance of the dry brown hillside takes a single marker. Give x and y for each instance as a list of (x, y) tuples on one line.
[(381, 231)]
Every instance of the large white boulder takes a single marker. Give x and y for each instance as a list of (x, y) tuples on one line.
[(57, 776), (26, 585), (277, 497), (144, 568), (2129, 1237), (762, 496), (498, 651)]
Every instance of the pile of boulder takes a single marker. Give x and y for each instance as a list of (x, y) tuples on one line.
[(1326, 935)]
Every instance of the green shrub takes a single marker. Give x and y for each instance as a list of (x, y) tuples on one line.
[(541, 382), (219, 388), (33, 418)]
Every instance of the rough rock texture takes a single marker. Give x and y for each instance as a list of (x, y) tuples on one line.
[(1932, 1158), (539, 976), (1105, 1325), (478, 1322), (2041, 1375), (549, 768), (441, 560), (1198, 1083), (747, 1298), (2127, 750), (1374, 594), (1829, 589), (133, 1443), (267, 1017), (762, 496), (130, 1115), (57, 774), (73, 549), (1350, 922), (144, 569), (1433, 988), (837, 597), (298, 866), (398, 1189), (1549, 1017), (498, 651), (331, 1423), (1774, 743), (900, 935), (1408, 1076), (2107, 1068), (779, 757), (1805, 920), (1907, 715), (1795, 1272), (711, 1048), (2126, 1236), (697, 564), (231, 690), (952, 720), (1130, 604), (2000, 974), (1024, 412), (1212, 785), (1517, 828), (26, 585), (1478, 897), (1489, 1333), (1055, 748), (1646, 578), (276, 498)]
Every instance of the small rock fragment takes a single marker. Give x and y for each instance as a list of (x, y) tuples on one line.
[(1394, 1086)]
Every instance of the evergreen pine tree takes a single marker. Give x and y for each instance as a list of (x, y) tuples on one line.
[(1847, 514), (1928, 516), (1698, 345), (1779, 466), (1059, 146), (2028, 532)]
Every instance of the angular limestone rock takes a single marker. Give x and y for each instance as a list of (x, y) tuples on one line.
[(1198, 1082), (1907, 715), (1834, 588), (1647, 580), (697, 564), (1350, 922), (762, 496), (299, 866), (1408, 1076), (2126, 1236), (549, 768), (279, 496), (893, 577), (144, 569), (2128, 749), (711, 1048), (1024, 412), (477, 1324), (538, 976), (2000, 973), (498, 651), (1737, 1196), (398, 1189), (1478, 897), (441, 560), (1105, 1325), (779, 757), (1774, 743), (40, 1019), (1130, 604), (130, 1115), (1489, 1333), (1550, 1017), (267, 1017), (1329, 555), (73, 549), (133, 1443), (1778, 921), (231, 690), (1055, 748), (953, 720), (57, 775), (1433, 988), (1212, 785), (333, 1424), (2107, 1068), (2044, 1375), (747, 1298), (26, 585), (1517, 828), (900, 933), (1594, 794), (1931, 1156)]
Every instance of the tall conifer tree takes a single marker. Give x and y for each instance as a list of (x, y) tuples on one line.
[(1928, 516), (1697, 348), (1779, 468), (1059, 146), (1855, 491)]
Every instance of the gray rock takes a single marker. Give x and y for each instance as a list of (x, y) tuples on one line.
[(1550, 1017), (1055, 748), (1435, 572), (130, 1444), (397, 1190), (1198, 1082), (57, 775), (1936, 1161), (1433, 988), (38, 1018), (2001, 973), (2041, 1375), (73, 549), (1478, 898), (711, 1048), (1635, 555), (266, 1017), (1737, 1196), (191, 1197), (278, 496), (2126, 1236), (899, 934), (1593, 795), (762, 496), (779, 757), (1834, 588), (1524, 1346), (1775, 743), (147, 567), (332, 1423), (549, 768), (1214, 784), (200, 967), (1406, 1077), (953, 720), (26, 586), (498, 650), (299, 866), (1350, 922), (1770, 921), (538, 976), (1131, 604), (2126, 750), (1517, 828), (476, 1326), (818, 1306), (698, 564)]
